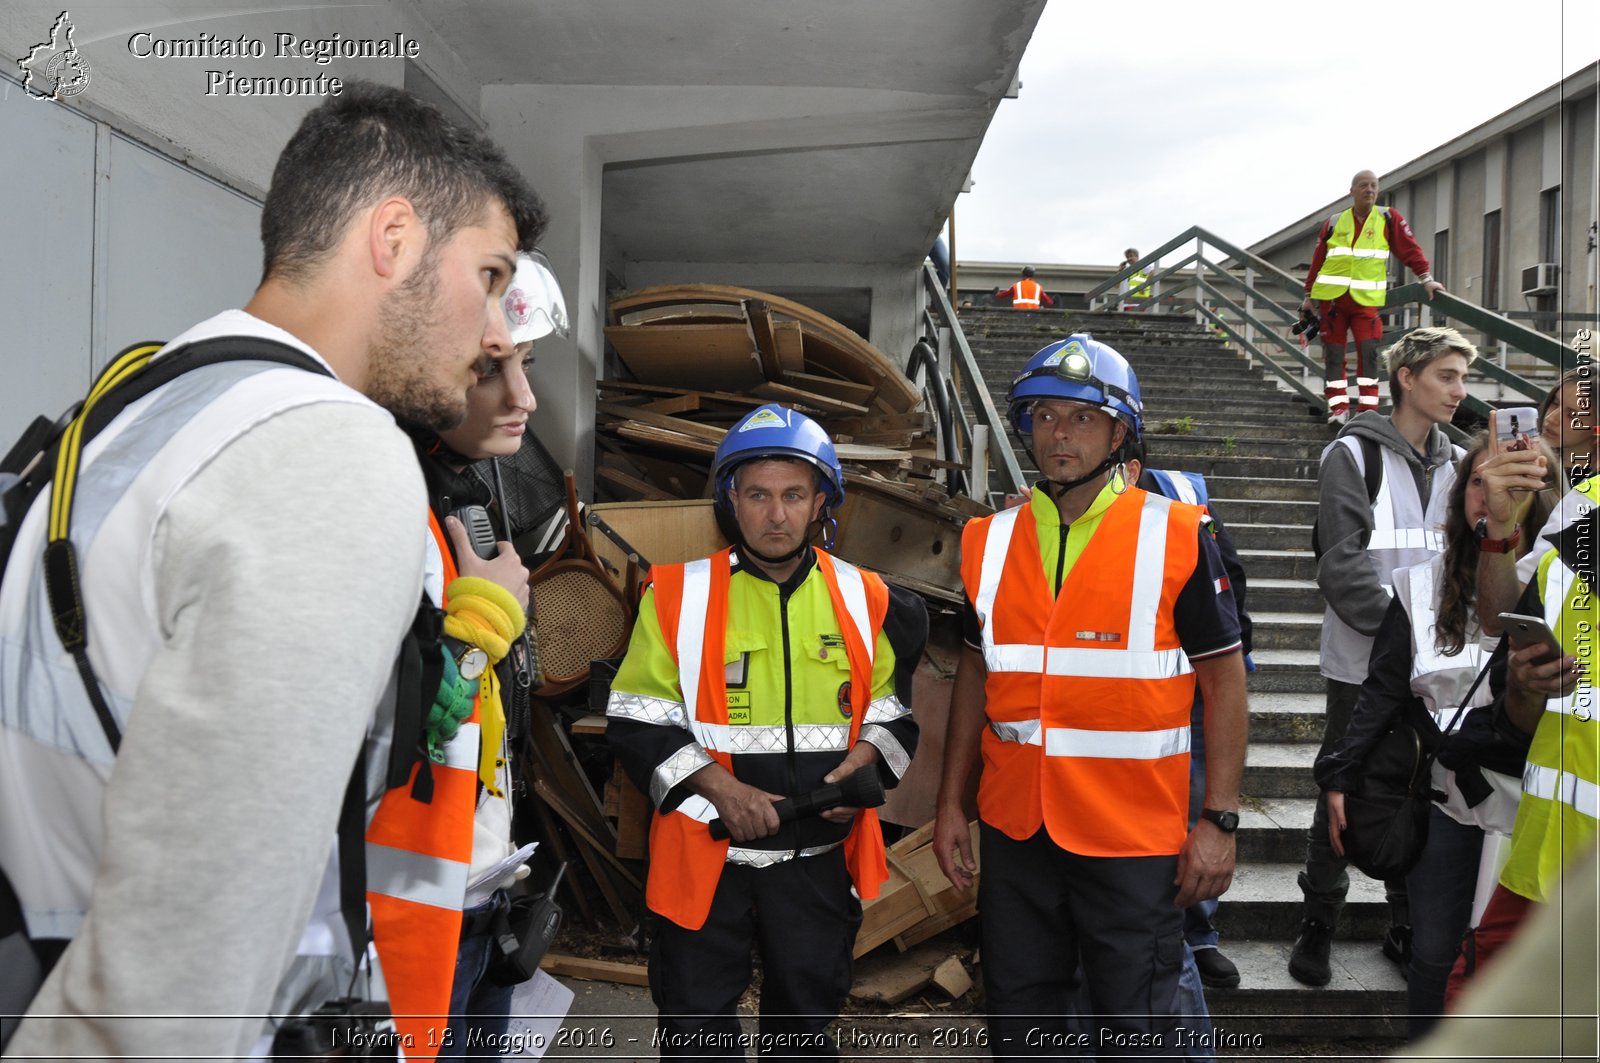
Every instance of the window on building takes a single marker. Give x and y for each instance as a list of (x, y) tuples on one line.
[(1441, 257), (1550, 225), (1491, 261)]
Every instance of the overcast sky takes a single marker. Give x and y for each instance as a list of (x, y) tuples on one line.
[(1136, 121)]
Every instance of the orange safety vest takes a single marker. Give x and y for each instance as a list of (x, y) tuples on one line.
[(1025, 293), (692, 608), (1088, 692), (418, 856)]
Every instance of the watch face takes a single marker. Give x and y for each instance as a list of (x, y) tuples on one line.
[(1227, 822), (472, 663)]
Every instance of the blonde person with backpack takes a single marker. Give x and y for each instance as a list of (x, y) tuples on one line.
[(1382, 491)]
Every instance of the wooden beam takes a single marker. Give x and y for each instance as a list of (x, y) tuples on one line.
[(596, 970)]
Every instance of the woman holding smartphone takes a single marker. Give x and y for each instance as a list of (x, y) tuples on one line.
[(1426, 657)]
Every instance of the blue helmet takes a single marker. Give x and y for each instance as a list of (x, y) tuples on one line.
[(1077, 369), (773, 431)]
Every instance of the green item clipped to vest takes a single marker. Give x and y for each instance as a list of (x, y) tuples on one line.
[(451, 706)]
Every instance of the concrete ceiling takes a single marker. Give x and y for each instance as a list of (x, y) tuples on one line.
[(896, 96)]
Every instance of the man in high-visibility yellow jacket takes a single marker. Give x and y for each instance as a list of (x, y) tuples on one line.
[(1346, 285)]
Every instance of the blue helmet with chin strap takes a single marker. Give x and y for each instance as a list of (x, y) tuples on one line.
[(1077, 369), (773, 431)]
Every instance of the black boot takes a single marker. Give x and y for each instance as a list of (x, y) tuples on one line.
[(1308, 963), (1397, 946)]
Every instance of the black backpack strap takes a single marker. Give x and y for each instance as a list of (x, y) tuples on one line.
[(353, 856), (132, 375), (1371, 466)]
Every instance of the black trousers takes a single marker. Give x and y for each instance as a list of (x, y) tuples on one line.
[(1043, 911), (1324, 880), (803, 916)]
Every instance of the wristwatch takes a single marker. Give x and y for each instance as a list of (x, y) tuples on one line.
[(1495, 546), (1226, 821), (471, 661)]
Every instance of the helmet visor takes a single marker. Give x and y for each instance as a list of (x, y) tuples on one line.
[(533, 305)]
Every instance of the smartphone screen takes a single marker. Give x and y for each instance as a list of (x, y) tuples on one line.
[(1513, 429)]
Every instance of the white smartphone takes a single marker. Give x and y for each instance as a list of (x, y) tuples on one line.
[(1531, 631), (1513, 429)]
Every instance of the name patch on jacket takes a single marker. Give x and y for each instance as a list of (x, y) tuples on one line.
[(831, 644), (1098, 636)]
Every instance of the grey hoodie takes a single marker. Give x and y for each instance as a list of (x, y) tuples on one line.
[(1348, 573)]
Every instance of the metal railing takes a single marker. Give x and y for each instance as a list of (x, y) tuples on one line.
[(977, 439), (1254, 303)]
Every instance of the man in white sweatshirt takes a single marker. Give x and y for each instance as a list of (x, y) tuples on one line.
[(250, 540)]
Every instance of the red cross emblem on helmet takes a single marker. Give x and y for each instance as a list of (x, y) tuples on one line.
[(518, 307)]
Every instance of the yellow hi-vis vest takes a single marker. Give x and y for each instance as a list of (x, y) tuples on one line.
[(1356, 263), (1138, 286), (1559, 815)]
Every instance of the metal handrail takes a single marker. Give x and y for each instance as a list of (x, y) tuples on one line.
[(968, 377)]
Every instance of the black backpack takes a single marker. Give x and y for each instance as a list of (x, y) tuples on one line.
[(1371, 475)]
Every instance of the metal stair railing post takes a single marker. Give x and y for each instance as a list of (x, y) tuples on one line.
[(966, 376)]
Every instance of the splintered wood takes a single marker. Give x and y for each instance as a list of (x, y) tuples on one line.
[(918, 901)]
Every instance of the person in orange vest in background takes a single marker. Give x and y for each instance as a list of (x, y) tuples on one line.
[(1346, 287), (763, 672), (1026, 294), (1092, 612)]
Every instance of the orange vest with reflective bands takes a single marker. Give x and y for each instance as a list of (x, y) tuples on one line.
[(1088, 692), (1025, 293), (692, 608), (417, 861)]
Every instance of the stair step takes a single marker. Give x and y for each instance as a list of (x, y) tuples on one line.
[(1273, 830), (1283, 595), (1286, 630), (1281, 489), (1269, 536), (1366, 999), (1280, 769), (1286, 717), (1286, 672), (1177, 448), (1263, 510), (1278, 564), (1265, 903)]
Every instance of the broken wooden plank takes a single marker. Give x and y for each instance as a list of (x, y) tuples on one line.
[(660, 437), (758, 319), (709, 356), (591, 726), (681, 425), (786, 394), (596, 970), (891, 979), (689, 403), (844, 390)]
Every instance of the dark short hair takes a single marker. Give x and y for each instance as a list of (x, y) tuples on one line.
[(372, 141)]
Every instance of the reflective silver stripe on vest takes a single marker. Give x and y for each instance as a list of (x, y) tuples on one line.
[(412, 876), (995, 546), (1149, 572), (1356, 252), (853, 589), (1022, 732), (679, 766), (889, 747), (1564, 787), (1090, 664), (768, 857), (743, 738), (698, 808), (660, 711), (692, 635), (885, 710), (1559, 582), (1115, 745)]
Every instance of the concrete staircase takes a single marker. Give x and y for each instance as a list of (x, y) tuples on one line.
[(1258, 447)]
